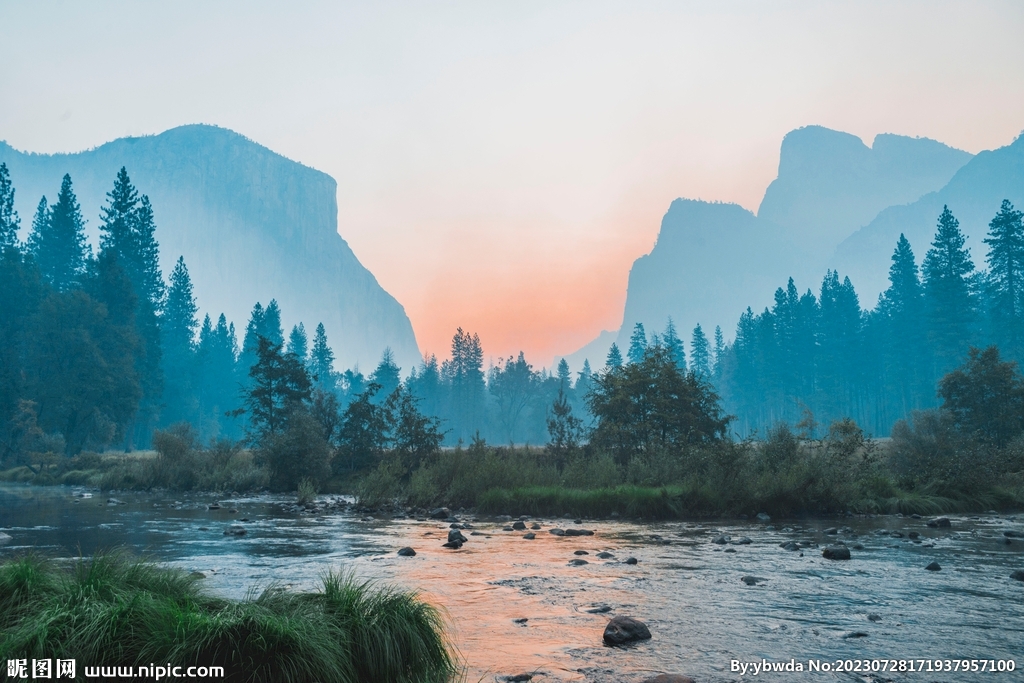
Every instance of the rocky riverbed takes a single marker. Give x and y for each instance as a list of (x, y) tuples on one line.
[(533, 597)]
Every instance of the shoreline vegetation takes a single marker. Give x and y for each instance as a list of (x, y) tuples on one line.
[(116, 610)]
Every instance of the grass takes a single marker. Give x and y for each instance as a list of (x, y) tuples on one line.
[(116, 610)]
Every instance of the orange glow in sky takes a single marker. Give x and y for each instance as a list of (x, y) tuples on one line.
[(501, 165)]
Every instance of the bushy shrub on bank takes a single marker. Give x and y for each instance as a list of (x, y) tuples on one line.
[(115, 611)]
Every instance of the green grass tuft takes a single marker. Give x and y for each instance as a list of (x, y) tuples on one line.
[(114, 610)]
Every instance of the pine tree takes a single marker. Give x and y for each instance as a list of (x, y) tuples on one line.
[(298, 344), (128, 229), (700, 353), (464, 374), (901, 306), (387, 374), (58, 241), (947, 293), (637, 344), (673, 344), (272, 329), (178, 332), (564, 376), (719, 354), (321, 360), (614, 359), (9, 221), (1006, 279), (146, 259)]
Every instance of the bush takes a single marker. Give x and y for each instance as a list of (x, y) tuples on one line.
[(300, 452)]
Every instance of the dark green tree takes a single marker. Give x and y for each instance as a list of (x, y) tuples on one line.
[(719, 354), (298, 344), (412, 437), (985, 397), (949, 303), (362, 437), (565, 430), (321, 360), (272, 329), (513, 384), (9, 221), (57, 241), (652, 405), (637, 344), (700, 354), (671, 341), (614, 359), (387, 374), (280, 388), (1006, 279), (178, 333), (464, 375), (901, 307)]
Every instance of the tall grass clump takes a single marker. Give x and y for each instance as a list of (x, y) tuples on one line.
[(113, 610)]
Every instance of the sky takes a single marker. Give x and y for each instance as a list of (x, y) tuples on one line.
[(500, 165)]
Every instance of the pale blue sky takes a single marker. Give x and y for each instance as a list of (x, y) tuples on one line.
[(528, 147)]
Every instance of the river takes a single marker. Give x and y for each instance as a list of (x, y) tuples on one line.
[(881, 604)]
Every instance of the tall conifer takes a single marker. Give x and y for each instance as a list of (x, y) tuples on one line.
[(947, 293), (1006, 279), (9, 221), (58, 241)]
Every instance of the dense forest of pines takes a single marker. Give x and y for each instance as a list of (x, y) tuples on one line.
[(99, 351)]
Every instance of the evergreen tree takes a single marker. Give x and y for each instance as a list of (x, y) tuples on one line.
[(719, 353), (128, 229), (614, 359), (146, 259), (280, 389), (58, 241), (513, 383), (427, 387), (902, 308), (947, 293), (673, 344), (564, 376), (9, 221), (637, 344), (1006, 279), (218, 381), (272, 329), (700, 353), (464, 373), (254, 329), (298, 344), (178, 333), (321, 360), (387, 374)]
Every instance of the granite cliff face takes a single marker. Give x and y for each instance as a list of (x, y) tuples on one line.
[(251, 224), (712, 260)]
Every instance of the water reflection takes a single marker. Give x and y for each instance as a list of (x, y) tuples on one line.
[(518, 606)]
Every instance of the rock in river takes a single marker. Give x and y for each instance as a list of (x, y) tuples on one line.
[(631, 560), (556, 532), (934, 567), (455, 536), (579, 532), (530, 536), (1018, 575), (750, 580), (836, 552), (440, 513), (939, 522), (5, 538), (605, 555), (622, 630), (235, 530), (721, 540), (763, 517), (519, 526), (407, 552), (577, 562)]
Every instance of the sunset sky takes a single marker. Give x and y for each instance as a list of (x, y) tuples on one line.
[(501, 165)]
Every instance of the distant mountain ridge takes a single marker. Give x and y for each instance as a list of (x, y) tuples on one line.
[(973, 195), (712, 260), (251, 224)]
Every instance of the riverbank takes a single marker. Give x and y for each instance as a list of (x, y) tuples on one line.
[(116, 611)]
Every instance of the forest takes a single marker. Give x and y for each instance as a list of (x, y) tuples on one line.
[(101, 354)]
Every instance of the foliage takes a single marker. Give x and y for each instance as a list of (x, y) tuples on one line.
[(651, 404), (112, 610), (296, 453), (985, 398), (279, 389)]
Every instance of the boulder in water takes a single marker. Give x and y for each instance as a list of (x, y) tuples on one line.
[(235, 530), (556, 532), (750, 580), (530, 536), (622, 630), (579, 532), (407, 552), (455, 535), (721, 540), (1018, 575), (605, 555), (939, 522), (5, 538), (763, 517), (440, 513), (577, 562), (519, 526), (934, 567), (454, 545), (836, 552)]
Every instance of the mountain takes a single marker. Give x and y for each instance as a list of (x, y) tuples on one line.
[(251, 224), (831, 183), (712, 260), (973, 195)]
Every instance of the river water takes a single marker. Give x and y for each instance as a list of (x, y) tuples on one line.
[(881, 604)]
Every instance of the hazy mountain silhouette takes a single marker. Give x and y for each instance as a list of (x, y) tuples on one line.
[(973, 195), (712, 260), (251, 224)]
